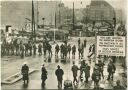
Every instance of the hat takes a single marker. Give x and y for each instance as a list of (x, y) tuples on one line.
[(42, 65), (58, 66)]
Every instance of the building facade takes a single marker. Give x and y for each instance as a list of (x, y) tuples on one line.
[(100, 10)]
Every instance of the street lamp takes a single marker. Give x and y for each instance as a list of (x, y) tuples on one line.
[(73, 16)]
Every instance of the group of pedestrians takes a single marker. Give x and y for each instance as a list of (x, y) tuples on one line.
[(31, 48), (66, 49), (25, 49), (84, 72), (58, 72)]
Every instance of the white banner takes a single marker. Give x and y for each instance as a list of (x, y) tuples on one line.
[(111, 45)]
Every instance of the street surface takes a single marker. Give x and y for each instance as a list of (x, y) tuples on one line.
[(12, 64)]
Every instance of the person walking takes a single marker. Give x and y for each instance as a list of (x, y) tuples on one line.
[(49, 49), (59, 73), (87, 72), (40, 49), (85, 42), (69, 49), (26, 49), (79, 42), (111, 70), (57, 50), (34, 49), (43, 75), (62, 50), (65, 51), (82, 66), (96, 76), (101, 67), (30, 49), (44, 48), (22, 49), (73, 51), (79, 50), (75, 71)]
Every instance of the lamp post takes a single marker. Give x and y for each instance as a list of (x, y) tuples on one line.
[(37, 16), (33, 22), (73, 16)]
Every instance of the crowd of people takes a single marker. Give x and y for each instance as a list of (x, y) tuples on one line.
[(30, 48), (84, 71), (24, 49), (65, 50)]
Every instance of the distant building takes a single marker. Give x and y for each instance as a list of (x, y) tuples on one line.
[(100, 10)]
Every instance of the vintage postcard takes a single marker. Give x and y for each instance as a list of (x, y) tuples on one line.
[(63, 44)]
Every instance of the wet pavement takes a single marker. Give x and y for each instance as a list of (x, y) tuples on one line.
[(12, 64)]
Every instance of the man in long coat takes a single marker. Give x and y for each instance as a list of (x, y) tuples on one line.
[(25, 72), (75, 71), (59, 73)]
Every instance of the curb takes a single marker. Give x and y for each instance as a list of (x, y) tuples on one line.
[(16, 77)]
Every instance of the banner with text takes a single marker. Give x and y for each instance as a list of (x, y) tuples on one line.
[(111, 45)]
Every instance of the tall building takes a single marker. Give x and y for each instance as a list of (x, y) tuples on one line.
[(100, 10)]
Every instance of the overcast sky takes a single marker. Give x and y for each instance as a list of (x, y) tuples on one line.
[(114, 3)]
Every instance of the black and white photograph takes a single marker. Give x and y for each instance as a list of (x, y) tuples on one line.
[(63, 44)]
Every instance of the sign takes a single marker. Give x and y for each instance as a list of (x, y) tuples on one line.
[(111, 45)]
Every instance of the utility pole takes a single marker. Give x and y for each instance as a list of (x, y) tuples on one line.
[(73, 16), (60, 13), (51, 20), (33, 22), (59, 16), (32, 19), (37, 16), (55, 19)]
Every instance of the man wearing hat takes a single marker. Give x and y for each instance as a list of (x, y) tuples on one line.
[(25, 72), (59, 73)]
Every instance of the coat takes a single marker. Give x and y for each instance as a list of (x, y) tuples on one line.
[(57, 48), (59, 73), (74, 49), (111, 68), (75, 70), (87, 71), (39, 48), (25, 71), (96, 76), (44, 73)]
